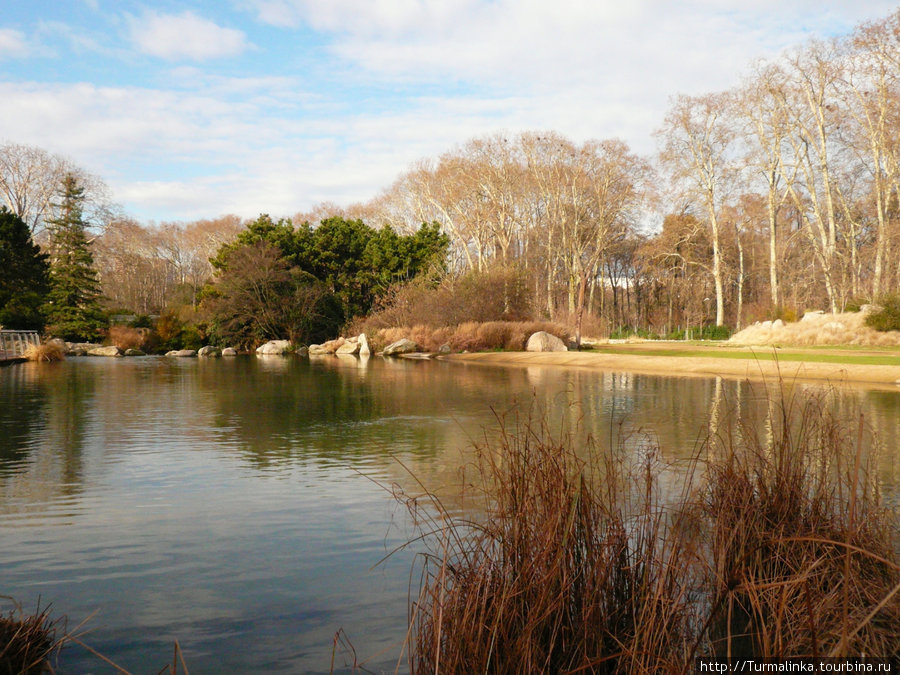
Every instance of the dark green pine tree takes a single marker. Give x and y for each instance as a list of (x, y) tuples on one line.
[(23, 275), (74, 311)]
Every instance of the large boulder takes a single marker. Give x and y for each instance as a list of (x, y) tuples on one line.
[(349, 347), (182, 353), (274, 347), (329, 347), (109, 350), (545, 342), (403, 346), (208, 350), (364, 349), (80, 348), (229, 351)]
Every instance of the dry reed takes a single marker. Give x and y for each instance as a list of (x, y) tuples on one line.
[(27, 642), (46, 352), (573, 563)]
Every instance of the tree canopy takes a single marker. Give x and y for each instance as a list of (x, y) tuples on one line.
[(23, 275), (73, 308), (275, 280)]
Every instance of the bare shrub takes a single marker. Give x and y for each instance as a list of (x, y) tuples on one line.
[(501, 293), (468, 336), (125, 337)]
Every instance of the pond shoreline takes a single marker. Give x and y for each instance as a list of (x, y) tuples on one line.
[(880, 376)]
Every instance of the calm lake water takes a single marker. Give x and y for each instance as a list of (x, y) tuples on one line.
[(239, 505)]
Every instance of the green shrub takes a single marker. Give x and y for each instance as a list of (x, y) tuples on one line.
[(888, 317), (715, 333)]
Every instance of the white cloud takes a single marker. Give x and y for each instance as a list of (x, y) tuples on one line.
[(12, 43), (205, 144), (184, 36)]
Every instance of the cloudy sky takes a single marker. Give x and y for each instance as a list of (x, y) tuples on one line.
[(197, 109)]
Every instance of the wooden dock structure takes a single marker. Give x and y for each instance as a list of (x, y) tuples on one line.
[(13, 344)]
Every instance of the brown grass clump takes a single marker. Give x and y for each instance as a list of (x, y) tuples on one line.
[(803, 562), (780, 547), (470, 336), (46, 352), (571, 569), (27, 643)]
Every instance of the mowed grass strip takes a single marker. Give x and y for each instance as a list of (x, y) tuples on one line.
[(763, 354)]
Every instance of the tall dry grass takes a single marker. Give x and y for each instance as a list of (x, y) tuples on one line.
[(46, 352), (27, 641), (802, 545), (469, 336), (778, 546)]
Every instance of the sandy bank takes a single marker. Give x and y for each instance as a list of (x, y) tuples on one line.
[(880, 376)]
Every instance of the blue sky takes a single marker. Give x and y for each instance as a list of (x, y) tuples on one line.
[(197, 109)]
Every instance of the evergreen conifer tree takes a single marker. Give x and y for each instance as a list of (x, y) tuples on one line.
[(73, 308), (23, 275)]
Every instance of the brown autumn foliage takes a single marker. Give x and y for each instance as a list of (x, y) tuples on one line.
[(126, 337)]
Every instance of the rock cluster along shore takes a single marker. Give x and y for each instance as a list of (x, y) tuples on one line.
[(349, 346)]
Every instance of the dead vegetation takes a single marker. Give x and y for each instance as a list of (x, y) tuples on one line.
[(46, 352), (778, 546), (469, 336), (818, 328), (27, 641)]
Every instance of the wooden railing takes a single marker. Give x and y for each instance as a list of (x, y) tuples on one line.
[(13, 343)]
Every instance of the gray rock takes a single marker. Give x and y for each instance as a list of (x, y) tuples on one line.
[(444, 349), (274, 347), (80, 348), (182, 353), (110, 350), (402, 346), (229, 351), (545, 342), (134, 352), (208, 350)]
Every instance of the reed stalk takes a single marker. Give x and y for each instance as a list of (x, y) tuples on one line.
[(576, 561)]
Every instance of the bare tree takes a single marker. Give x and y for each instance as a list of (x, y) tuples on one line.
[(31, 181), (698, 140)]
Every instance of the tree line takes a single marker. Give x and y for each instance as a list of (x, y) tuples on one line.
[(777, 196)]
